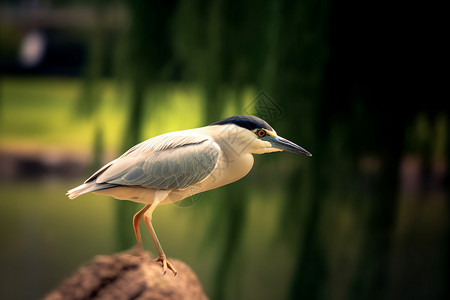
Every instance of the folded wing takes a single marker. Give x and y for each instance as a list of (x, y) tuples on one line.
[(170, 161)]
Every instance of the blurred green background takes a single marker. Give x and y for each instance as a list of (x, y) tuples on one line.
[(367, 217)]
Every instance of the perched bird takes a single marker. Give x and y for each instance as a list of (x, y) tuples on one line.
[(173, 166)]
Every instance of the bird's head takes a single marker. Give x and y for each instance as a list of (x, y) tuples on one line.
[(255, 136)]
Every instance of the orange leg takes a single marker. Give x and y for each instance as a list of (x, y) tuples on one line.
[(147, 212), (161, 255), (136, 221)]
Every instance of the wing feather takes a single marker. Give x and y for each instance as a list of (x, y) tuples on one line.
[(170, 161)]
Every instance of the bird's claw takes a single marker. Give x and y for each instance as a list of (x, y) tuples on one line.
[(166, 264)]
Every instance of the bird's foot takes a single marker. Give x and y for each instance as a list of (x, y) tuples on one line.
[(166, 264)]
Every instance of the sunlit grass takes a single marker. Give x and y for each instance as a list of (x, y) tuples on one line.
[(43, 113)]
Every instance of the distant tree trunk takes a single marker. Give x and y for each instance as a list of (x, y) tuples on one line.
[(298, 87), (147, 53), (447, 190), (125, 210), (371, 278), (91, 95)]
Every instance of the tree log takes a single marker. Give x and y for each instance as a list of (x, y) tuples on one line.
[(129, 275)]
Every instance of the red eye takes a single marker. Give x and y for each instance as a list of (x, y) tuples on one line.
[(261, 133)]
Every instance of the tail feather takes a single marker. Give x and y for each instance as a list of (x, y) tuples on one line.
[(87, 188)]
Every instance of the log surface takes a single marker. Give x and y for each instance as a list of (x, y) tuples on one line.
[(129, 275)]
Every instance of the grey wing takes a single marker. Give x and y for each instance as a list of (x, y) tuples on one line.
[(177, 167)]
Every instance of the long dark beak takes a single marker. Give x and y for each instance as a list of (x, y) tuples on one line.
[(286, 145)]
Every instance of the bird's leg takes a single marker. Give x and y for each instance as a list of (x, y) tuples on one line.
[(148, 221), (161, 255), (136, 221)]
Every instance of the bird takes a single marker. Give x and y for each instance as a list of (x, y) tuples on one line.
[(173, 166)]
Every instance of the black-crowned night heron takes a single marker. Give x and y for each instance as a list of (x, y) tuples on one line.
[(172, 166)]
